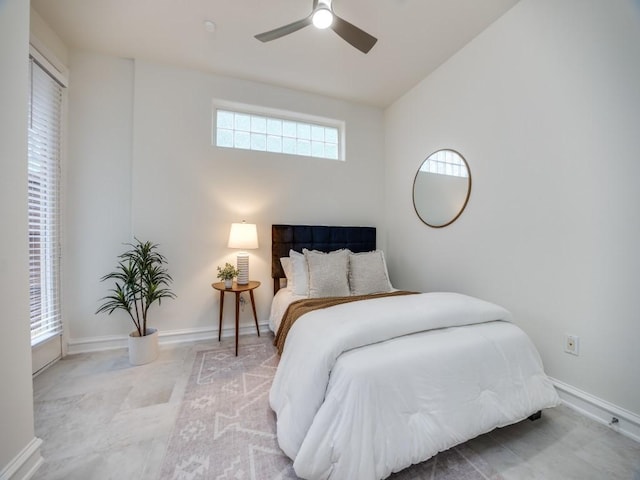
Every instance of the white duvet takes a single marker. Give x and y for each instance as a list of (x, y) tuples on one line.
[(437, 370), (281, 300)]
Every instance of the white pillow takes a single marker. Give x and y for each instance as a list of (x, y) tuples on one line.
[(368, 273), (328, 273), (288, 271), (300, 273), (286, 267)]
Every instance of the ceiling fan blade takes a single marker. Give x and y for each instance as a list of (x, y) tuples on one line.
[(352, 34), (282, 31)]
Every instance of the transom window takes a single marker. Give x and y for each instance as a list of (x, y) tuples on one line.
[(266, 133)]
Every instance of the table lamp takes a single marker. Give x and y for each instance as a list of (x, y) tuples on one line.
[(243, 236)]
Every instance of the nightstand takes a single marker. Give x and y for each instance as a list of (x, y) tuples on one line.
[(237, 289)]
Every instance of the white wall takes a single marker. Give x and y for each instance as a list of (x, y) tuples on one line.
[(47, 41), (16, 400), (141, 163), (98, 188), (545, 107)]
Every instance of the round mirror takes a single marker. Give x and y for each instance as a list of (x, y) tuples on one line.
[(441, 188)]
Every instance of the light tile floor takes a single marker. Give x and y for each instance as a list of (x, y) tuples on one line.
[(101, 418)]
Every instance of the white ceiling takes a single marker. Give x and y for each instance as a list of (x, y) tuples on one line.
[(414, 38)]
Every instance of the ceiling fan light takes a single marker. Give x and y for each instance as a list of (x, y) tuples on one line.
[(322, 18)]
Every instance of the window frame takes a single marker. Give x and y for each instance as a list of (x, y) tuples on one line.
[(59, 76), (283, 115)]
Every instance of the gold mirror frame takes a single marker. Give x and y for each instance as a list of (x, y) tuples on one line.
[(450, 165)]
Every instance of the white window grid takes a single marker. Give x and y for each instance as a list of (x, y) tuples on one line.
[(249, 131)]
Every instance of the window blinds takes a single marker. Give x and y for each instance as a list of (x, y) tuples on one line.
[(45, 112)]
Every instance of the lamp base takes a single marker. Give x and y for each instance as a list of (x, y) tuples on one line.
[(242, 263)]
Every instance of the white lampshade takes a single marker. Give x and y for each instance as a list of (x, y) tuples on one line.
[(244, 236)]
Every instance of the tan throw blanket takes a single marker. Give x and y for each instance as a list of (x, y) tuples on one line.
[(298, 308)]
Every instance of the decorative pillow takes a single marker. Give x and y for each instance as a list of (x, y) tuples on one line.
[(288, 271), (300, 273), (368, 273), (328, 273)]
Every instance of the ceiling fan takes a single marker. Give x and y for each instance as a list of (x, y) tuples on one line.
[(322, 16)]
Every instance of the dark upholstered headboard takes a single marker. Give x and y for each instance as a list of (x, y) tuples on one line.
[(316, 237)]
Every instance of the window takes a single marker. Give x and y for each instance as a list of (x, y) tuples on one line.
[(278, 134), (45, 119)]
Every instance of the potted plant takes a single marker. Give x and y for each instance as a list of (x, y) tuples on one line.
[(141, 279), (227, 274)]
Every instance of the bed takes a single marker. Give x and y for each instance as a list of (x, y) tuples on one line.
[(367, 388)]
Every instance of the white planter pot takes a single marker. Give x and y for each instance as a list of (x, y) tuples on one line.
[(228, 283), (143, 349)]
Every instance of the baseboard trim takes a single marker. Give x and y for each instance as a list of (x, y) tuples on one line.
[(599, 410), (25, 464), (112, 342)]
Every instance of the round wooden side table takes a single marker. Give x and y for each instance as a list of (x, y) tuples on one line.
[(237, 289)]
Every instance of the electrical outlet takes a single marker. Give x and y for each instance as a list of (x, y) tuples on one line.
[(572, 344)]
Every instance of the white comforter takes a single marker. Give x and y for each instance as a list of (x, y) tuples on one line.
[(345, 412), (281, 300)]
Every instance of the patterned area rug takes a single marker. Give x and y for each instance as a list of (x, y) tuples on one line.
[(225, 429)]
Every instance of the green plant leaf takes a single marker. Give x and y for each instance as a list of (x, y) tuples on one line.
[(140, 279)]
